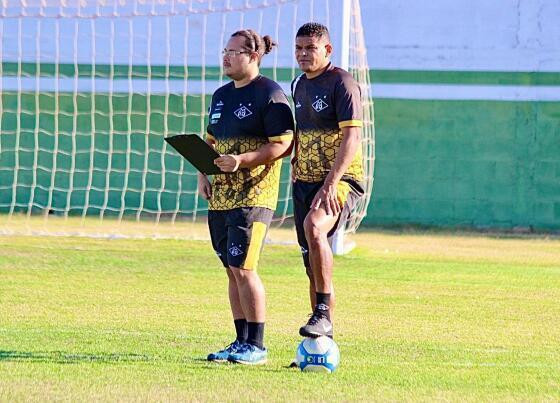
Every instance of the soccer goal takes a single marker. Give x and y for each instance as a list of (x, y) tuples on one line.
[(89, 89)]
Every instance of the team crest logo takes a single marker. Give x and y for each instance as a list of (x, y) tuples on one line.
[(319, 104), (242, 112), (235, 251)]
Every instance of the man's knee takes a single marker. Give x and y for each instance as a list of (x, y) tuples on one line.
[(240, 274), (230, 273), (312, 231)]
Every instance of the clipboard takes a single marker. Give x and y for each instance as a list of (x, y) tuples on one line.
[(196, 151)]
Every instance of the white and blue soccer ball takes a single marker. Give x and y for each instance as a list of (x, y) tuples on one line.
[(317, 355)]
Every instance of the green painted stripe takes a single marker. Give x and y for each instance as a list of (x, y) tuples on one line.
[(122, 71), (465, 77)]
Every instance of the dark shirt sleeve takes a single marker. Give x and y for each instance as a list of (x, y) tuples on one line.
[(348, 98), (278, 119), (209, 130)]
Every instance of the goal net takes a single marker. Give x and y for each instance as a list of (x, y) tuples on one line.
[(89, 89)]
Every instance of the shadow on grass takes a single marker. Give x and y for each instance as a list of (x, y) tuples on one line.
[(60, 357), (204, 364)]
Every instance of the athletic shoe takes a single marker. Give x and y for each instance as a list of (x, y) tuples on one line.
[(249, 354), (223, 355), (317, 325)]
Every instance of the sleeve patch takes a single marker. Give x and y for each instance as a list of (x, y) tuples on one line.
[(287, 136), (349, 123)]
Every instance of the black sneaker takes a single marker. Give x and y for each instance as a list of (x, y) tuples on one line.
[(317, 325)]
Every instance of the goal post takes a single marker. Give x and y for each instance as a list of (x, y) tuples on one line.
[(89, 90)]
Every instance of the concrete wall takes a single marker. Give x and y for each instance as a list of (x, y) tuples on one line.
[(468, 112)]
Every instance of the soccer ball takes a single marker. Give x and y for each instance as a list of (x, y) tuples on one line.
[(317, 355)]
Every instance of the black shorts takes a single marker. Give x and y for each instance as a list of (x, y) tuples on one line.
[(348, 191), (238, 235)]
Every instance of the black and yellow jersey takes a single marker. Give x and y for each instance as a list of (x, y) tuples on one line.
[(242, 120), (323, 106)]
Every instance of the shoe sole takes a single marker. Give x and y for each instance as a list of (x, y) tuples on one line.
[(217, 360), (248, 362), (304, 333)]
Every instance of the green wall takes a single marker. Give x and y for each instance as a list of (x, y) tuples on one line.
[(467, 163), (438, 163)]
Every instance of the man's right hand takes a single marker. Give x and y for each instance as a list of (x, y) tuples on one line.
[(204, 186)]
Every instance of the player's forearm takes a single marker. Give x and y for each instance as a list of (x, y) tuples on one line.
[(351, 141), (265, 154), (288, 152)]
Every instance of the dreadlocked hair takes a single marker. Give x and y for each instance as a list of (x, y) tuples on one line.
[(255, 43)]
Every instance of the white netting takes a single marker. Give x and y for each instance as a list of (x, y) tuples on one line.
[(358, 66), (91, 88)]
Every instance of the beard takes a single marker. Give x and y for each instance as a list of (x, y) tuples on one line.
[(234, 75)]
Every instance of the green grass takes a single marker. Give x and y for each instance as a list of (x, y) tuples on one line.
[(419, 317)]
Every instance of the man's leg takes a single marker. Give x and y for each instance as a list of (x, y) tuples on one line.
[(247, 231), (218, 235), (252, 300), (313, 293), (302, 193), (239, 319), (317, 225)]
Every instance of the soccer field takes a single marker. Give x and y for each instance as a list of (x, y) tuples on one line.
[(419, 317)]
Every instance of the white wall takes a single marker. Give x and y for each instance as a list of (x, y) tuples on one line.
[(487, 35), (490, 35)]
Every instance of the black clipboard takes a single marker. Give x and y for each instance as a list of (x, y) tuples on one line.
[(196, 151)]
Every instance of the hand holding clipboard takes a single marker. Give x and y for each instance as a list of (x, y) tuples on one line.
[(196, 151)]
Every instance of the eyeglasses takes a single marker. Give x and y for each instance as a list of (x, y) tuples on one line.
[(232, 52)]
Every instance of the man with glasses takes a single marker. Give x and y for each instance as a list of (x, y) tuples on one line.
[(327, 166), (251, 126)]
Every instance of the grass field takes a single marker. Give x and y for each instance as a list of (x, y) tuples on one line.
[(420, 317)]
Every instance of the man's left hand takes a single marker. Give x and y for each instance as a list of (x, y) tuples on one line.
[(227, 163), (327, 197)]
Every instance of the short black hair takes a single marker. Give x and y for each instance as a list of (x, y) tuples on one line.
[(314, 29)]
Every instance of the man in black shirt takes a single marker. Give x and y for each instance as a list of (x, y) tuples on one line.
[(327, 167), (251, 126)]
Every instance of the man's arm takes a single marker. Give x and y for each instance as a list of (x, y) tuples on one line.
[(265, 154), (293, 160), (327, 195)]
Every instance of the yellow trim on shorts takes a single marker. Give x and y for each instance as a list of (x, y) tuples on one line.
[(283, 137), (349, 123), (258, 233), (342, 190)]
